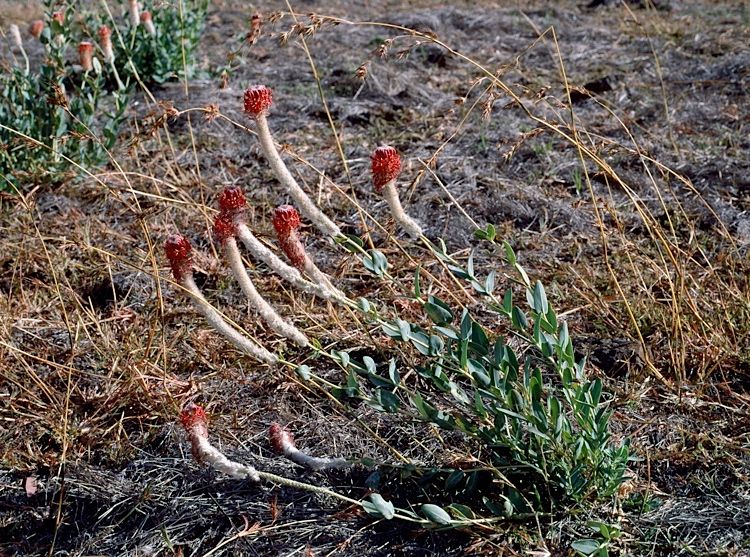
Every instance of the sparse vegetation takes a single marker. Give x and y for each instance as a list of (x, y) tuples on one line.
[(586, 158)]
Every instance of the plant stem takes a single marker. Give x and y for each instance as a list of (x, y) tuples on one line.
[(311, 211), (222, 327), (266, 311), (405, 221)]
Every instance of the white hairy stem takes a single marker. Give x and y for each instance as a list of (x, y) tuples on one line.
[(306, 205), (402, 219), (313, 462), (135, 14), (240, 341), (266, 311), (150, 28), (204, 451), (322, 279), (285, 271)]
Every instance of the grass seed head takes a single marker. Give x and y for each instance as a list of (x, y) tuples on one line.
[(386, 166), (178, 249), (258, 100)]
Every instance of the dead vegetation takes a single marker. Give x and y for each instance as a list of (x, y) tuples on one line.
[(635, 215)]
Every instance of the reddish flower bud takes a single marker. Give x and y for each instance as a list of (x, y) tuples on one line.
[(36, 28), (257, 100), (104, 33), (232, 199), (59, 17), (386, 166), (224, 227), (85, 55), (285, 220), (281, 439), (178, 251), (194, 420), (148, 22)]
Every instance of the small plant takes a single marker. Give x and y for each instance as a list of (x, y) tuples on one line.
[(386, 166), (232, 203), (178, 251), (542, 425), (78, 120), (257, 101), (225, 232), (158, 43)]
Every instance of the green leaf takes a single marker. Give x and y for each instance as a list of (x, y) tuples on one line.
[(466, 325), (540, 299), (387, 400), (304, 372), (489, 282), (586, 546), (596, 391), (370, 364), (375, 262), (509, 254), (436, 515), (377, 506), (470, 264), (417, 282), (518, 318), (438, 311), (461, 511), (393, 372)]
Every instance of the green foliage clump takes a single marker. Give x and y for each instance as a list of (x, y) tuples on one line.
[(54, 117), (55, 113), (523, 400)]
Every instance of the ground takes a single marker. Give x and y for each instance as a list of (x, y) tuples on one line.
[(635, 215)]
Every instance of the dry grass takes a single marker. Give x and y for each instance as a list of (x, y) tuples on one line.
[(631, 206)]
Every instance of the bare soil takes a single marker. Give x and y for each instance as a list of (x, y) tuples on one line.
[(98, 352)]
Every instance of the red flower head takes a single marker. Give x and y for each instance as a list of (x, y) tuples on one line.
[(178, 251), (281, 439), (59, 17), (145, 16), (224, 227), (386, 166), (194, 420), (85, 54), (36, 28), (257, 100), (104, 33), (232, 199), (285, 220)]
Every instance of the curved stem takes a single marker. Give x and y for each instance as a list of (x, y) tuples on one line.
[(405, 221), (240, 341), (287, 272), (306, 205), (266, 311)]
